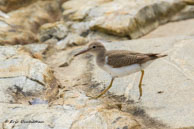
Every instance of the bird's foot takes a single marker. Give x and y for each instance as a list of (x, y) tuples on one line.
[(139, 98), (91, 97), (96, 97)]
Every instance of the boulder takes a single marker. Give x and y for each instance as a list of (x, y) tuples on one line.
[(22, 76), (64, 117), (10, 5), (22, 25), (174, 31), (71, 40), (57, 30), (62, 33), (125, 18)]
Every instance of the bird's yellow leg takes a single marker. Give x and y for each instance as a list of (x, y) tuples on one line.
[(140, 84), (104, 91)]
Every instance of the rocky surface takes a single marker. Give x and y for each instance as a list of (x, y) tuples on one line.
[(77, 111), (99, 19), (9, 5), (66, 117), (44, 86), (130, 18), (21, 75), (59, 32), (21, 26), (177, 29), (168, 82)]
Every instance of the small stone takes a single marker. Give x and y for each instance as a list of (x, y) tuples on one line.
[(71, 40), (56, 30)]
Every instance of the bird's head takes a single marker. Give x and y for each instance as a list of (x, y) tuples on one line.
[(94, 48)]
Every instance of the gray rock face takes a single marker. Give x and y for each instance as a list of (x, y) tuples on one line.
[(65, 117), (174, 30), (168, 82), (56, 30), (20, 73), (36, 48), (71, 40), (130, 18), (59, 31)]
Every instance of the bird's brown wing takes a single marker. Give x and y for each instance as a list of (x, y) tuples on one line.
[(118, 58)]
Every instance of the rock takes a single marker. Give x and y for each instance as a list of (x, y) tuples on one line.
[(17, 37), (9, 5), (22, 76), (164, 31), (36, 48), (64, 73), (77, 110), (186, 13), (3, 23), (168, 82), (48, 12), (60, 32), (4, 15), (127, 18), (22, 30), (57, 30), (64, 117), (101, 119), (71, 40)]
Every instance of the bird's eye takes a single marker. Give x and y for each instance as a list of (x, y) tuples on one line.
[(94, 47)]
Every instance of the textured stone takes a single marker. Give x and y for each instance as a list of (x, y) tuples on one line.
[(9, 5), (36, 48), (57, 30), (130, 18), (174, 31), (21, 75), (64, 117), (58, 62), (60, 32), (71, 40), (21, 29), (102, 119), (4, 15)]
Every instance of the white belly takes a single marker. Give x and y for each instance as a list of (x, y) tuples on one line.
[(123, 71)]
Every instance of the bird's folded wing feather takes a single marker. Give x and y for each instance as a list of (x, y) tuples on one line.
[(118, 59)]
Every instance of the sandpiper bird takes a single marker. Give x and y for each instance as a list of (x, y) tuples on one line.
[(120, 63)]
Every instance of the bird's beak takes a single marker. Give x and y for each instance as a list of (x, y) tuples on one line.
[(83, 51)]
